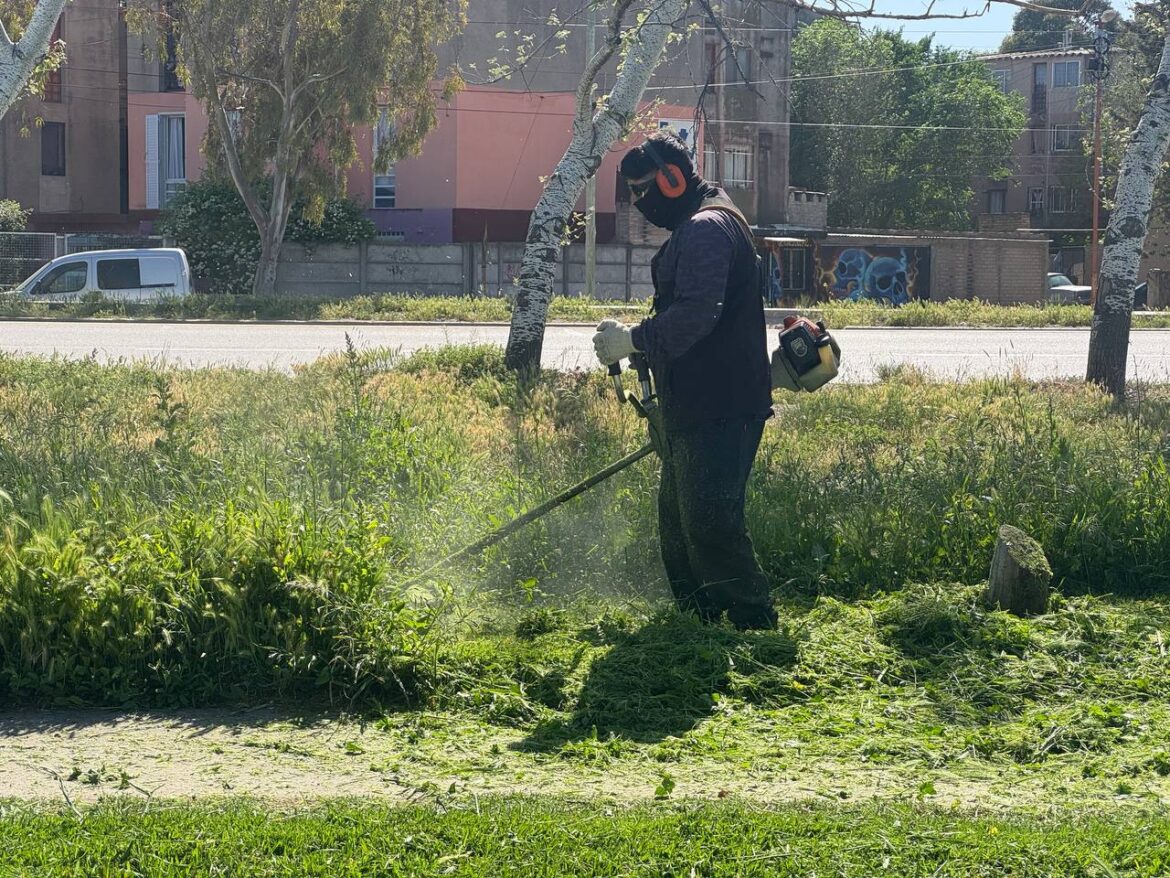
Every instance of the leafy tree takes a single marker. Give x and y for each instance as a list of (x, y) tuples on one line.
[(897, 147), (26, 29), (286, 81)]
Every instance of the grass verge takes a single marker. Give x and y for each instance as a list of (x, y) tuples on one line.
[(406, 308), (541, 837)]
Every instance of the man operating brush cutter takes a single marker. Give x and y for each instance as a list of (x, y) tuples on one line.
[(707, 350)]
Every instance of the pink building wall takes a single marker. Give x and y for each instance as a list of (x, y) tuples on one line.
[(141, 105), (480, 168)]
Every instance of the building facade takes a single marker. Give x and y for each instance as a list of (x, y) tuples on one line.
[(121, 137), (65, 156), (1050, 184)]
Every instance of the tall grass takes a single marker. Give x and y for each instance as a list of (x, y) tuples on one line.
[(193, 536)]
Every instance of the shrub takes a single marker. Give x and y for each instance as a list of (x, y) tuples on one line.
[(209, 221), (13, 217)]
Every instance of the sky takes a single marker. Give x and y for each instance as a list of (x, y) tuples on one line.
[(976, 34)]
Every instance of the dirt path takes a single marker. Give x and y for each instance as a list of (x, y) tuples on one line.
[(262, 753)]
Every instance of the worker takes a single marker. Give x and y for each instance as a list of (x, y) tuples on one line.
[(706, 345)]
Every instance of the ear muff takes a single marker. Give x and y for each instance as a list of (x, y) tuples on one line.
[(671, 181)]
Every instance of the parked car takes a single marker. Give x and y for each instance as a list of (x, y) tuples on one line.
[(1063, 291), (116, 275)]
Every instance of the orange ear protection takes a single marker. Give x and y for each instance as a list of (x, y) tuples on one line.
[(670, 179)]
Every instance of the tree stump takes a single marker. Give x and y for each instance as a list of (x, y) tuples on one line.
[(1020, 574)]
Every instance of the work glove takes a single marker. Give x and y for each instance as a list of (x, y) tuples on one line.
[(612, 342)]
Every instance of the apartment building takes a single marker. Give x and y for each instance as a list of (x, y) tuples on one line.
[(65, 156), (1051, 177), (122, 137)]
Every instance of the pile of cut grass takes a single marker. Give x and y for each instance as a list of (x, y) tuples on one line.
[(542, 837)]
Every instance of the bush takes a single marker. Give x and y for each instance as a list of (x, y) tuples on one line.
[(209, 221), (13, 217)]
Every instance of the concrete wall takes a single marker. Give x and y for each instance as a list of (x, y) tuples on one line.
[(338, 270)]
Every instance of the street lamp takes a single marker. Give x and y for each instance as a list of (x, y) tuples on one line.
[(1098, 69)]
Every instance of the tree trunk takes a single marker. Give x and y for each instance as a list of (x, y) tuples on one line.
[(19, 59), (1020, 574), (592, 137), (272, 238), (1126, 234)]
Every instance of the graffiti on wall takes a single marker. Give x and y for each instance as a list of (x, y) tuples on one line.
[(881, 274)]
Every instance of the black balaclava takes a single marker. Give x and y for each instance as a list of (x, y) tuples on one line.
[(666, 213)]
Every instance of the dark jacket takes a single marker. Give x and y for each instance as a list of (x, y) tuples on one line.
[(706, 340)]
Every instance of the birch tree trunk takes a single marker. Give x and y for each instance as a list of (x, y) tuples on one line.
[(19, 59), (1126, 234), (593, 135)]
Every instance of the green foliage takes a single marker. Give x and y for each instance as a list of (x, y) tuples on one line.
[(13, 217), (209, 221), (540, 836), (897, 148)]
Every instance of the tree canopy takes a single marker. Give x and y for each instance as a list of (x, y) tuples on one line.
[(896, 131), (1033, 30)]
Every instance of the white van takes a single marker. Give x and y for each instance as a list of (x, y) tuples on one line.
[(116, 275)]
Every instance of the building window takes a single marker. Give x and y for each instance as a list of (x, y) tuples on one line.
[(1001, 79), (1064, 138), (1036, 201), (737, 167), (172, 157), (711, 48), (710, 169), (739, 65), (995, 200), (794, 269), (1066, 74), (385, 190), (1061, 199), (53, 149)]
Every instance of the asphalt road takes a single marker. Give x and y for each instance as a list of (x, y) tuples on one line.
[(950, 353)]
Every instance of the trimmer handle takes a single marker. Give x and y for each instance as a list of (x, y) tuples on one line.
[(641, 365), (615, 372)]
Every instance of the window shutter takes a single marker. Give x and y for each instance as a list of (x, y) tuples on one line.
[(152, 162)]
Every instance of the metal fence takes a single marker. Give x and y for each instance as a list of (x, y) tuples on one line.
[(22, 253)]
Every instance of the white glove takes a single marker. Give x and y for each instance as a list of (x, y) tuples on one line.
[(612, 342)]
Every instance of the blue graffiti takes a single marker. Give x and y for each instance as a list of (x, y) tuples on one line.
[(849, 274), (886, 281)]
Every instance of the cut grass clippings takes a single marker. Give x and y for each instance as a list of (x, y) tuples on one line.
[(543, 838)]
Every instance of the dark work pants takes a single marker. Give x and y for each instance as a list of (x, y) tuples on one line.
[(708, 555)]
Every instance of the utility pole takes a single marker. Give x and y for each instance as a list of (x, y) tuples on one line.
[(591, 183), (1099, 68)]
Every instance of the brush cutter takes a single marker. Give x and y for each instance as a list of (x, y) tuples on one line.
[(646, 406)]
